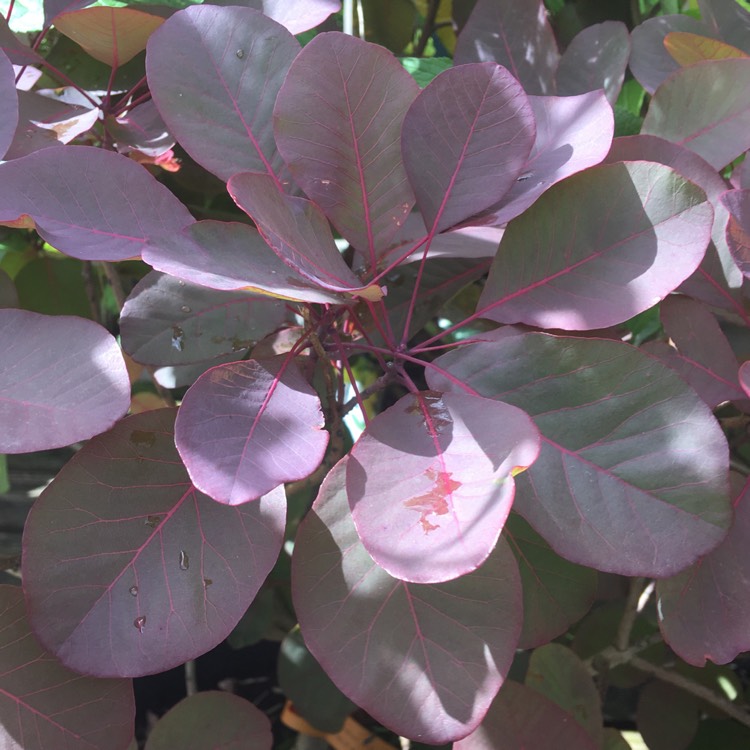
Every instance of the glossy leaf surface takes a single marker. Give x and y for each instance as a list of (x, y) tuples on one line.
[(629, 451), (9, 115), (45, 361), (338, 122), (212, 719), (218, 70), (144, 572), (246, 427), (89, 203), (465, 140), (599, 248), (426, 660)]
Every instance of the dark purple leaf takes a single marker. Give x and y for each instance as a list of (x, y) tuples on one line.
[(166, 321), (298, 232), (141, 129), (296, 15), (523, 718), (9, 98), (247, 427), (425, 660), (704, 610), (16, 51), (595, 59), (213, 719), (430, 482), (667, 717), (737, 202), (516, 34), (62, 379), (128, 570), (572, 133), (741, 175), (703, 356), (43, 705), (89, 203), (728, 20), (53, 8), (629, 451), (691, 108), (214, 74), (465, 140), (231, 256), (338, 122), (8, 293), (556, 593), (744, 376), (599, 248), (650, 62)]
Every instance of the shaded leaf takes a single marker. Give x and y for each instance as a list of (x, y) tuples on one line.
[(88, 203), (595, 59), (744, 376), (53, 286), (247, 427), (435, 473), (516, 34), (613, 740), (128, 570), (629, 451), (337, 122), (465, 140), (737, 202), (598, 248), (16, 51), (424, 660), (556, 593), (667, 717), (212, 719), (524, 718), (141, 129), (8, 293), (167, 321), (693, 109), (53, 8), (43, 705), (9, 113), (218, 70), (45, 362), (729, 20), (687, 48)]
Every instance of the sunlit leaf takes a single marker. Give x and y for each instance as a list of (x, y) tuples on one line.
[(687, 48)]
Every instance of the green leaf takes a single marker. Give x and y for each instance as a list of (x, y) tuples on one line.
[(4, 479), (424, 69)]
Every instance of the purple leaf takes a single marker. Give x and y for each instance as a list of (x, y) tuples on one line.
[(62, 379), (704, 610), (8, 291), (216, 72), (737, 202), (213, 719), (629, 451), (425, 660), (556, 593), (516, 34), (295, 15), (231, 256), (595, 59), (728, 20), (338, 122), (430, 482), (16, 51), (650, 62), (141, 129), (43, 705), (598, 248), (166, 321), (53, 8), (691, 108), (523, 718), (465, 140), (299, 234), (247, 427), (128, 570), (572, 134), (744, 376), (9, 97), (89, 203)]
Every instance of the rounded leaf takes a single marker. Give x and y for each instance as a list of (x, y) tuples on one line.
[(9, 98)]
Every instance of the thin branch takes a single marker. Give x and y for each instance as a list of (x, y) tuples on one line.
[(428, 28), (629, 615), (191, 677)]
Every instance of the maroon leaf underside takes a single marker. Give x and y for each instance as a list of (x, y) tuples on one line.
[(217, 71), (425, 660), (298, 232), (212, 719), (9, 113), (89, 203), (167, 321), (43, 705), (516, 35), (338, 122), (522, 717), (465, 140), (596, 59), (141, 129), (296, 15), (62, 379), (703, 611), (629, 451), (246, 427), (599, 248), (737, 202), (429, 482), (129, 570)]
